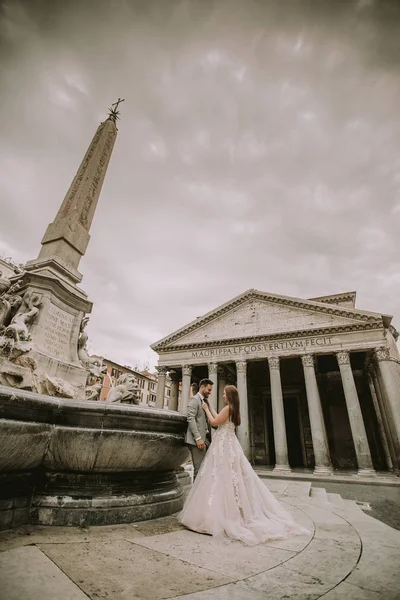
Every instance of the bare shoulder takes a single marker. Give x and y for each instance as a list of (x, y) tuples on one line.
[(223, 415)]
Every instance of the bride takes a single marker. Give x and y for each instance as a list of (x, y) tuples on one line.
[(227, 497)]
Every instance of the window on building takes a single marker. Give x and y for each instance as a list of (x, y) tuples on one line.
[(115, 373)]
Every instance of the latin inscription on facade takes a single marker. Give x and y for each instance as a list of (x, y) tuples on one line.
[(57, 332), (263, 348)]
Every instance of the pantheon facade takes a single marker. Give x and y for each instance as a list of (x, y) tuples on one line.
[(319, 379)]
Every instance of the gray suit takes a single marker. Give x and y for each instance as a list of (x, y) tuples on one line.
[(197, 428)]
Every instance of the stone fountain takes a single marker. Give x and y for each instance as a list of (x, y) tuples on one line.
[(65, 458), (71, 462)]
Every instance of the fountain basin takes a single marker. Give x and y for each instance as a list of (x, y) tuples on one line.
[(69, 462)]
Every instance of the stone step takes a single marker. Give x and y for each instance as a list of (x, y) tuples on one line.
[(298, 489), (352, 505), (335, 499), (319, 493), (276, 486)]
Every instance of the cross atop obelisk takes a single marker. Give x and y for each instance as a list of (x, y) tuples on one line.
[(67, 237), (114, 112)]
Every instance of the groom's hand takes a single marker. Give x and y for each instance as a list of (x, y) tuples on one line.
[(200, 444)]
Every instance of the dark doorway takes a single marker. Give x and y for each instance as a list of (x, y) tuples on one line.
[(262, 432), (294, 431)]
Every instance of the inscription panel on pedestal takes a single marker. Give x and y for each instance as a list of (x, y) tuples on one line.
[(56, 333)]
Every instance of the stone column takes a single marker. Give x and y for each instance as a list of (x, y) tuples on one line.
[(278, 416), (361, 446), (323, 463), (173, 399), (379, 418), (243, 432), (213, 375), (162, 373), (379, 387), (186, 378), (389, 377), (221, 387)]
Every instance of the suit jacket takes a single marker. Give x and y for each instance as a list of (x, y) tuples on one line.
[(197, 421)]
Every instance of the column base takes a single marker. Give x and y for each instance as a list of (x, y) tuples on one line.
[(366, 472), (323, 470), (282, 469)]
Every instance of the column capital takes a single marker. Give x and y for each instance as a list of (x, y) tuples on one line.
[(308, 360), (162, 370), (382, 353), (187, 369), (212, 368), (343, 357), (273, 362), (241, 366)]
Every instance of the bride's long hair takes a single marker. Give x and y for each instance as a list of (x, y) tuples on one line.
[(232, 395)]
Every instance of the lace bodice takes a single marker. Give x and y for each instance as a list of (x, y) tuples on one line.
[(228, 425)]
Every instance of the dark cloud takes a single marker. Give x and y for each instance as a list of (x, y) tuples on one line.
[(258, 147)]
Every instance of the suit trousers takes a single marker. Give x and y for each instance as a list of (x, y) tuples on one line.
[(197, 458)]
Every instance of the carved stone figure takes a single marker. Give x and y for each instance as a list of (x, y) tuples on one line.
[(94, 365), (126, 390), (93, 392), (10, 301), (54, 386), (16, 339), (5, 283), (15, 375)]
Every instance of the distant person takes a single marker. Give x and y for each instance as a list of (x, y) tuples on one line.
[(194, 389), (228, 498), (197, 426)]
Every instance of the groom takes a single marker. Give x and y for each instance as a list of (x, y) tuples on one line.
[(197, 430)]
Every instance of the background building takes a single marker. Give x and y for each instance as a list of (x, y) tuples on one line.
[(319, 379), (147, 382), (8, 267)]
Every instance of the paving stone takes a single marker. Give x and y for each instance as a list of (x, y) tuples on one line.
[(327, 559), (122, 570), (379, 567), (222, 555), (26, 573), (283, 583), (37, 534), (159, 526), (346, 591), (232, 591), (341, 532)]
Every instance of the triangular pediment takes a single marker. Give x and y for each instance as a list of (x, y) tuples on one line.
[(257, 314)]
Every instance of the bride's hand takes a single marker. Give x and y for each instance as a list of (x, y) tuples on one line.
[(204, 406)]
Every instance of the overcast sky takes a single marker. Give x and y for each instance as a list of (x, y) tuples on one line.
[(258, 147)]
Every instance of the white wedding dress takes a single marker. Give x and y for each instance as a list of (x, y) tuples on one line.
[(228, 498)]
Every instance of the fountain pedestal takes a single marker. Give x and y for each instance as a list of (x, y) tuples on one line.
[(66, 462)]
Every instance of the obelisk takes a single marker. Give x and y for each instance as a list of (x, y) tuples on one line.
[(49, 282), (67, 237)]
